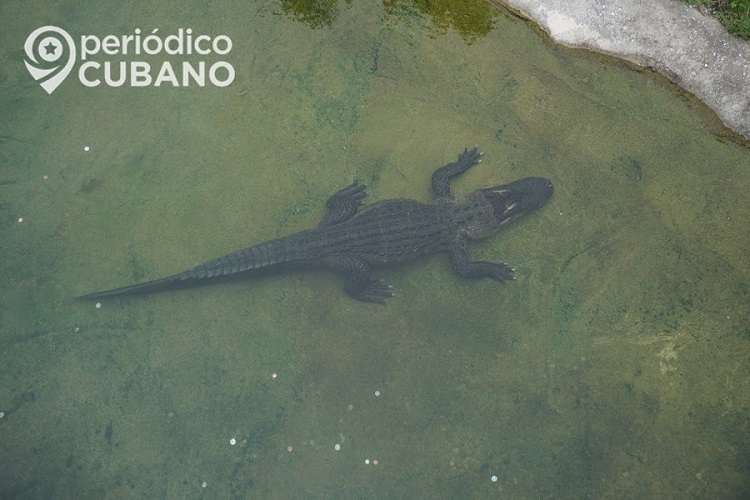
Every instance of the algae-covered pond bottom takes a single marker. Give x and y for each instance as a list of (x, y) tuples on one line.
[(615, 365)]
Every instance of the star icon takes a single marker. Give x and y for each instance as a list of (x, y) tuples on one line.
[(50, 48)]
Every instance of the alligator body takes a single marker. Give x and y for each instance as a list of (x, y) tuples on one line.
[(352, 241)]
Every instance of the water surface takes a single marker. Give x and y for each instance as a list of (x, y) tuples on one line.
[(616, 364)]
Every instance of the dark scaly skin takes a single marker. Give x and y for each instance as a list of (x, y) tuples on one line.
[(352, 241)]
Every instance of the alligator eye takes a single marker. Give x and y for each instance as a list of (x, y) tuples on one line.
[(508, 208)]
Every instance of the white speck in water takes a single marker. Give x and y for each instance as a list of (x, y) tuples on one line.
[(493, 479), (86, 148), (204, 484), (2, 414), (337, 447), (377, 393), (98, 305), (233, 441), (20, 219), (367, 461)]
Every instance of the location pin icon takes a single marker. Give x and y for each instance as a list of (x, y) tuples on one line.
[(50, 55)]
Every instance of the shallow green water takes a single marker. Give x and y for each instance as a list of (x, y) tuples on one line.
[(615, 365)]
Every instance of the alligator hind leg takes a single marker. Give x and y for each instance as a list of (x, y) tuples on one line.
[(357, 283), (343, 204), (478, 269), (442, 176)]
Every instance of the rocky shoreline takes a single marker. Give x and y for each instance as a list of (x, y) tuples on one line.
[(690, 49)]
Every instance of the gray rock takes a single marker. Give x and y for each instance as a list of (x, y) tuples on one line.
[(692, 50)]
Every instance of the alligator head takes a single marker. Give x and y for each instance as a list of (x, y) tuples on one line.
[(511, 201), (500, 205)]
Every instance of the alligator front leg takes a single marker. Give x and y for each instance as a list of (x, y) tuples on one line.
[(442, 176), (477, 269), (357, 283), (343, 204)]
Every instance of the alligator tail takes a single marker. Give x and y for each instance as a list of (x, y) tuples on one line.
[(159, 285), (256, 259)]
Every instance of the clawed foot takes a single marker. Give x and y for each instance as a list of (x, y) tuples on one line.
[(470, 157), (343, 204), (354, 193), (499, 272), (442, 176), (375, 291)]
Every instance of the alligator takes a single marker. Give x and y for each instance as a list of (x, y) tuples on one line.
[(352, 241)]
